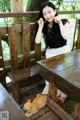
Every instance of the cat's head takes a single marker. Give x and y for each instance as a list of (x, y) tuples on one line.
[(27, 106)]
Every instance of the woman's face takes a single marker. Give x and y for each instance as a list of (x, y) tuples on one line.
[(48, 13)]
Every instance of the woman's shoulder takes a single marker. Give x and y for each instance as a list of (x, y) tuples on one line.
[(64, 21)]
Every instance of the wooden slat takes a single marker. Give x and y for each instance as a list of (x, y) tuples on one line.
[(3, 30), (33, 27), (2, 71), (13, 46), (38, 51), (18, 28), (1, 55), (20, 60), (32, 35), (74, 42), (78, 36), (1, 63), (26, 43)]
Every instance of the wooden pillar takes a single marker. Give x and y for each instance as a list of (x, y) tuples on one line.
[(17, 6)]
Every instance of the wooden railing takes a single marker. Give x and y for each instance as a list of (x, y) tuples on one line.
[(33, 13)]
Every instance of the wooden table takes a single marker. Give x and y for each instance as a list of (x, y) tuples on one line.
[(7, 104), (64, 70)]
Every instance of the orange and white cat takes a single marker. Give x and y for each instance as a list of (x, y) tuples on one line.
[(34, 106)]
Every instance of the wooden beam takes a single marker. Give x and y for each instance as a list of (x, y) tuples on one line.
[(32, 13), (17, 6), (58, 110)]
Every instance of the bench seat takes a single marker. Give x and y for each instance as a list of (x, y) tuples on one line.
[(9, 106), (22, 74)]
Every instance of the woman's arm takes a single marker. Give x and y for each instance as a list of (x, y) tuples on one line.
[(39, 34), (64, 29)]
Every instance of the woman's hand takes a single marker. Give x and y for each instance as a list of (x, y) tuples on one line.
[(41, 22), (57, 20), (39, 34), (64, 29)]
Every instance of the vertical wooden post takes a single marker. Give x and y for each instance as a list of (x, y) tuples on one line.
[(17, 6), (78, 36), (2, 69), (26, 43)]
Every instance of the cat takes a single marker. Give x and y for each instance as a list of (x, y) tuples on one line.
[(76, 115), (34, 106)]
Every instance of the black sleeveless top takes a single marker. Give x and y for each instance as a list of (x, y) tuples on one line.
[(53, 38)]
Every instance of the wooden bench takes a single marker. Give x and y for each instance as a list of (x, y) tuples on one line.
[(24, 69), (9, 106)]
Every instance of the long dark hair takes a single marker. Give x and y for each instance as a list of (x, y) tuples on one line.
[(49, 4)]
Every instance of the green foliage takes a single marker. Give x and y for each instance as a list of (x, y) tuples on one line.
[(5, 21), (5, 6), (67, 5), (6, 51)]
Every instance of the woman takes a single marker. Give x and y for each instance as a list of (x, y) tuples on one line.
[(55, 32)]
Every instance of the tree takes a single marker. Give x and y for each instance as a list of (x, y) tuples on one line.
[(34, 5)]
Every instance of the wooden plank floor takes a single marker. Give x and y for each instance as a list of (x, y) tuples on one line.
[(46, 113)]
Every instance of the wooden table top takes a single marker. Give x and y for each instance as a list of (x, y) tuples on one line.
[(65, 71), (7, 103)]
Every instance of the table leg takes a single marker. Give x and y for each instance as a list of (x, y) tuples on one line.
[(77, 111), (53, 90), (16, 92)]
